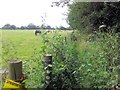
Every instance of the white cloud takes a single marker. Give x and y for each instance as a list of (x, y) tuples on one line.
[(23, 12)]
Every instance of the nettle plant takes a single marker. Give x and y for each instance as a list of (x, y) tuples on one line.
[(65, 60)]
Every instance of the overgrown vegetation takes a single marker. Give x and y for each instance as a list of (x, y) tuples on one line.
[(89, 67), (80, 60), (18, 45)]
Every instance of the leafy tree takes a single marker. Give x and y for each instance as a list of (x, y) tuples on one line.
[(23, 27), (62, 28), (31, 26), (105, 13), (8, 26), (93, 14), (13, 27), (76, 18)]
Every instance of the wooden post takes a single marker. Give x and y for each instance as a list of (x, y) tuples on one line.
[(47, 70), (15, 69)]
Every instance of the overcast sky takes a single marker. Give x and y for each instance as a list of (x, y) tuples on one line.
[(23, 12)]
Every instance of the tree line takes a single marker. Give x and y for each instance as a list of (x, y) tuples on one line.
[(31, 26)]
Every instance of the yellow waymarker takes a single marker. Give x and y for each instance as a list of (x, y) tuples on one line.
[(12, 85)]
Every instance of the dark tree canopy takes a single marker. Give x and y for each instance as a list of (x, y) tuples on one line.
[(31, 26), (93, 14), (8, 26)]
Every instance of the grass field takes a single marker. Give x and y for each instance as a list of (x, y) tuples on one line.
[(23, 44), (19, 44)]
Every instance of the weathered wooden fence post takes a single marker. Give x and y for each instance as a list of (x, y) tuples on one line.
[(15, 69), (15, 76), (48, 70)]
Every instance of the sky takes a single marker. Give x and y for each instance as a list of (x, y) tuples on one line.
[(23, 12)]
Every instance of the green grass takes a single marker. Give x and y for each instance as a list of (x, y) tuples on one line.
[(19, 44), (22, 44)]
